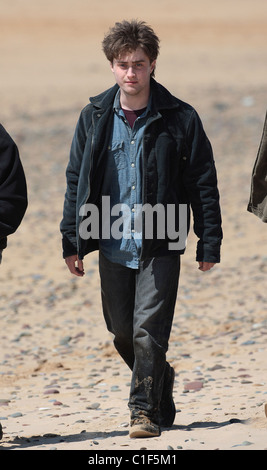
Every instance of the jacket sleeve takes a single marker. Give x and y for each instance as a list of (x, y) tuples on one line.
[(68, 223), (258, 194), (13, 189), (200, 180)]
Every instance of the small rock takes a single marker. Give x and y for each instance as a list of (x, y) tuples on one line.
[(51, 391), (124, 425), (93, 406), (4, 401), (65, 340), (216, 367), (196, 385)]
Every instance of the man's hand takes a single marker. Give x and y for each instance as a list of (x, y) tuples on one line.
[(75, 265), (204, 266)]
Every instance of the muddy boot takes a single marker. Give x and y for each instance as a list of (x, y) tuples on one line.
[(142, 426)]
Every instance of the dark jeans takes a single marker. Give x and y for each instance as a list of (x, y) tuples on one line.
[(138, 307)]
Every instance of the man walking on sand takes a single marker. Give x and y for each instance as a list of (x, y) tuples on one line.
[(13, 192), (139, 160)]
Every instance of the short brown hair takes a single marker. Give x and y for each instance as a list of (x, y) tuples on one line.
[(128, 36)]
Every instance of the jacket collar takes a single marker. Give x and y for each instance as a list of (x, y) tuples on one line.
[(161, 97)]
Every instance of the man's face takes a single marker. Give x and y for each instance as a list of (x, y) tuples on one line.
[(132, 71)]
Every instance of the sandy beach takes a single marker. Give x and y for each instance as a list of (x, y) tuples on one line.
[(62, 384)]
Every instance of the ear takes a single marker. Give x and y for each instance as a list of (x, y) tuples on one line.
[(111, 66), (152, 66)]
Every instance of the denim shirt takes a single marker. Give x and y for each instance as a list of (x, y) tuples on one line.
[(123, 184)]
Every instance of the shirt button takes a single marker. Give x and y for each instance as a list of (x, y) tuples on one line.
[(133, 187), (132, 142), (133, 210), (132, 165)]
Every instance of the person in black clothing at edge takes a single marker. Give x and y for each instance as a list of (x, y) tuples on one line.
[(13, 192), (257, 204), (139, 154)]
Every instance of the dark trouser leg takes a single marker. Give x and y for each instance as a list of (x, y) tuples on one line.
[(138, 307), (118, 294), (156, 291)]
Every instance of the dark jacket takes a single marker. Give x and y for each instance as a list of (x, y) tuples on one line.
[(13, 190), (258, 194), (178, 168)]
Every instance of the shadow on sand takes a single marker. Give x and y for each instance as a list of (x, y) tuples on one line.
[(24, 443)]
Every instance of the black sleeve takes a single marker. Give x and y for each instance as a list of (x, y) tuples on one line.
[(200, 180), (13, 188)]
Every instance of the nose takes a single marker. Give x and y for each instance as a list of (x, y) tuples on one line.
[(131, 72)]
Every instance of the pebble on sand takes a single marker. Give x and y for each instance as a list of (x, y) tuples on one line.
[(196, 385)]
